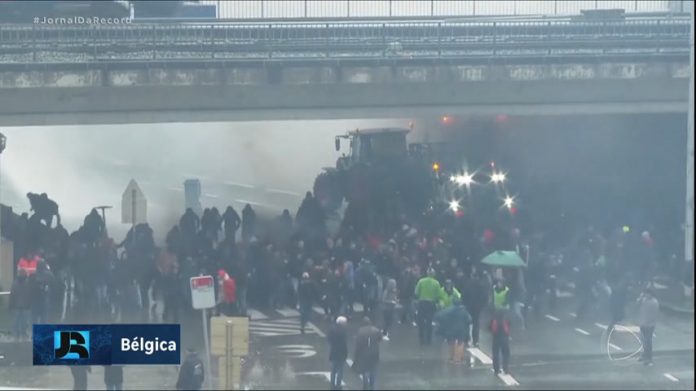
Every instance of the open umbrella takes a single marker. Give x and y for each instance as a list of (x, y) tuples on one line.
[(504, 259)]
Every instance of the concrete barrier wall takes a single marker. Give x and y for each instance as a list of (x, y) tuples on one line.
[(214, 92), (293, 75)]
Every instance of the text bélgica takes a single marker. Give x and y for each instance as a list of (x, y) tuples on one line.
[(139, 344)]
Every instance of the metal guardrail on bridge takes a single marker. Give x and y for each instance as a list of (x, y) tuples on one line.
[(70, 43)]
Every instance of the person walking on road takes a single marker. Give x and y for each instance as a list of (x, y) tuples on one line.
[(113, 377), (338, 351), (500, 297), (367, 353), (427, 292), (500, 330), (476, 298), (389, 299), (306, 292), (79, 375), (453, 324), (647, 318), (20, 303), (448, 295), (191, 374)]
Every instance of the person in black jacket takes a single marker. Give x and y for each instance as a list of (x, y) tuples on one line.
[(231, 222), (476, 297), (248, 223), (191, 374), (338, 351), (113, 377), (20, 303), (79, 375)]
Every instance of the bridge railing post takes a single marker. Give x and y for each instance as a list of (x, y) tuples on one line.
[(154, 42), (439, 43), (212, 40), (269, 40), (495, 38), (33, 42), (384, 35)]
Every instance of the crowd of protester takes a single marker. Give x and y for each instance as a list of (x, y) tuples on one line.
[(423, 272)]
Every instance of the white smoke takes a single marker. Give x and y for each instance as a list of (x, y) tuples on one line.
[(81, 167)]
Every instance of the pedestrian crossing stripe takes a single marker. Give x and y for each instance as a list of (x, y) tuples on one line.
[(256, 315), (280, 327), (288, 312), (508, 380), (481, 356)]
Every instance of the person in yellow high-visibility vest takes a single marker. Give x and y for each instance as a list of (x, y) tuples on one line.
[(448, 294), (500, 296)]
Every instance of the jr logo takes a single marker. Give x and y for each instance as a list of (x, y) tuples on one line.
[(71, 345)]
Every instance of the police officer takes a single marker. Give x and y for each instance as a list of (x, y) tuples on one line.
[(428, 292)]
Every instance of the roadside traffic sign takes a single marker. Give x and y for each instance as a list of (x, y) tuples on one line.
[(203, 292), (133, 205)]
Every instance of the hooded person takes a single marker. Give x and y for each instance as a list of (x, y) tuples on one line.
[(227, 294), (44, 207), (21, 303), (248, 223), (366, 354), (453, 325), (191, 373), (448, 295), (231, 222)]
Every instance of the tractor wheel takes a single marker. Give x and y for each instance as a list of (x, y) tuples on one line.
[(328, 189)]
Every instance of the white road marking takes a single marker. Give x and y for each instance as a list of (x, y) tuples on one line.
[(611, 345), (278, 327), (481, 356), (357, 307), (256, 315), (316, 330), (229, 183), (581, 331), (573, 314), (563, 294), (657, 285), (670, 377), (555, 319), (628, 329), (292, 193), (297, 351), (287, 321), (349, 362), (288, 312), (318, 310), (326, 375), (621, 328), (509, 380)]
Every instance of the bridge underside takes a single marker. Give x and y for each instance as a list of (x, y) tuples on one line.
[(126, 94), (70, 106)]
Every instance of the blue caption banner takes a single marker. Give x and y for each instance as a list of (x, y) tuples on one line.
[(116, 344)]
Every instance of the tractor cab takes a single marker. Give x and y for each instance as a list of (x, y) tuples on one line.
[(373, 145)]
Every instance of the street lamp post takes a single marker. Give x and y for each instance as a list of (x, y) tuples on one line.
[(3, 144), (689, 221)]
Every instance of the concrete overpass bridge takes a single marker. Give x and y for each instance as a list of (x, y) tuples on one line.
[(220, 72)]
